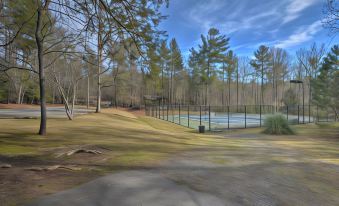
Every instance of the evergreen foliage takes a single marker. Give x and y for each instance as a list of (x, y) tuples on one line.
[(326, 85)]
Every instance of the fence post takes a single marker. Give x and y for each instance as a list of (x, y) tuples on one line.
[(172, 113), (303, 114), (160, 109), (200, 115), (298, 114), (188, 115), (260, 114), (156, 111), (209, 117), (245, 117), (309, 113), (287, 112), (179, 114), (167, 110), (163, 111), (228, 117)]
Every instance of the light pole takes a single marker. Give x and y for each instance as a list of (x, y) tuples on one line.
[(294, 81)]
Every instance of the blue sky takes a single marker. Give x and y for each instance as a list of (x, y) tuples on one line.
[(288, 24)]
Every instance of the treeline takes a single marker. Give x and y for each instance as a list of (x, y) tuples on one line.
[(49, 49), (97, 52)]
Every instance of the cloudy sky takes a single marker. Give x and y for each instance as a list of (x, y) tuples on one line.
[(288, 24)]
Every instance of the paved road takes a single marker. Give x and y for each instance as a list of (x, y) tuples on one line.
[(135, 188), (52, 112), (252, 172)]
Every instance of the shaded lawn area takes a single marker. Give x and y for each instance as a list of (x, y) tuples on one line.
[(136, 142)]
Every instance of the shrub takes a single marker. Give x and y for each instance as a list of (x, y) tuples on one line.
[(277, 124)]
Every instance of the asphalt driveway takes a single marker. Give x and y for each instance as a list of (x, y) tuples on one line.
[(52, 112)]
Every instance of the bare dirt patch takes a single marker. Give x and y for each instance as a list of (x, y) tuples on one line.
[(19, 185)]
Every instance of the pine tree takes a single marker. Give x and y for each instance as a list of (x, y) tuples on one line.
[(212, 52), (260, 64), (176, 65), (154, 68), (196, 80), (325, 86), (164, 61), (231, 65)]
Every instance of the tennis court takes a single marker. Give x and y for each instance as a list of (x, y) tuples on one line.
[(225, 121), (232, 117)]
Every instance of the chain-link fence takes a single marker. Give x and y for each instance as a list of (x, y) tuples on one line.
[(236, 117)]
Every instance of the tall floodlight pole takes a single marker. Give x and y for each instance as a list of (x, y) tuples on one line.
[(294, 81)]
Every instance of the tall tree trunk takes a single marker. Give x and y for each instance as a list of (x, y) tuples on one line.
[(237, 85), (223, 85), (87, 102), (39, 42), (310, 92), (276, 95), (19, 94), (262, 84), (100, 47), (22, 96), (74, 98), (162, 83), (171, 77), (207, 82), (229, 90), (115, 96)]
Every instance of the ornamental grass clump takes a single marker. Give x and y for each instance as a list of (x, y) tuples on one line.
[(277, 124)]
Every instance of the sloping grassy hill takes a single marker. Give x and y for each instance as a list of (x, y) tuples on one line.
[(126, 142)]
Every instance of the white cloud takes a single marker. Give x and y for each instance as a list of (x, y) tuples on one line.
[(232, 16), (261, 19), (303, 34), (265, 18), (295, 7), (204, 13)]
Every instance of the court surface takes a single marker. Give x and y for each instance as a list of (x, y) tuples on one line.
[(231, 120)]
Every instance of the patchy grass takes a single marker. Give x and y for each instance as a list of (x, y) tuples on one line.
[(126, 141), (137, 142), (12, 150)]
